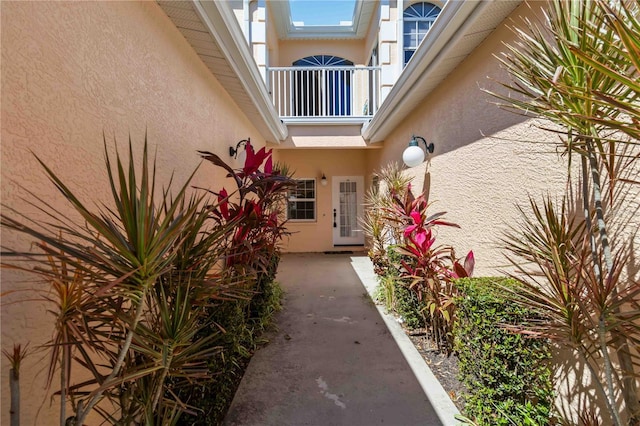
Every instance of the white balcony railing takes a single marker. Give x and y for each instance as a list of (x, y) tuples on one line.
[(337, 94)]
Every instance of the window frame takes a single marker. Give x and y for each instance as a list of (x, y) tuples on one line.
[(415, 22), (313, 200)]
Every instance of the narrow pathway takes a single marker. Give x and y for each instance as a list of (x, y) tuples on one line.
[(332, 361)]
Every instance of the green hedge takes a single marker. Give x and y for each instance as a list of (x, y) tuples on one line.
[(395, 294), (243, 321), (507, 375)]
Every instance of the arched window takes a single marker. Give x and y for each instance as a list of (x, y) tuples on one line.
[(322, 61), (417, 18), (325, 92)]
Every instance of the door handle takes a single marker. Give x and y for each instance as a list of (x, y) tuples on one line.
[(335, 225)]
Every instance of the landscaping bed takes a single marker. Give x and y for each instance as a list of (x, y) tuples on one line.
[(444, 367)]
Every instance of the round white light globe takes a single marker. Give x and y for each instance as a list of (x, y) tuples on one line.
[(242, 156), (413, 156)]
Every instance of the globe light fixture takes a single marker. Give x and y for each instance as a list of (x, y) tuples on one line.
[(413, 155), (323, 180)]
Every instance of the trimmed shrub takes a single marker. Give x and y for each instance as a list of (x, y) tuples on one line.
[(396, 296), (507, 374), (243, 321), (407, 306)]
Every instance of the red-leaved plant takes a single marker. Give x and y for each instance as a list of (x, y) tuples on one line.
[(256, 207), (430, 268)]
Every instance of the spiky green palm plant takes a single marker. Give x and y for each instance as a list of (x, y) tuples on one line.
[(380, 227), (580, 70), (129, 278)]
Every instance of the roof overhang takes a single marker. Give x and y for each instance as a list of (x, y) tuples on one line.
[(459, 29), (287, 30), (213, 31)]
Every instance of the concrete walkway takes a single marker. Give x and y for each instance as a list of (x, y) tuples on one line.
[(333, 360)]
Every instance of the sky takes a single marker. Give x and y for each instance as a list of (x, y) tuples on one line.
[(321, 12)]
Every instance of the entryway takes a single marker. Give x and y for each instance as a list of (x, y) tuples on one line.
[(348, 206)]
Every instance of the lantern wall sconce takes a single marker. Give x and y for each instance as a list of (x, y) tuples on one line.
[(323, 180), (233, 152), (413, 155)]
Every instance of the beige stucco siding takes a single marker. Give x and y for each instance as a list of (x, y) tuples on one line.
[(273, 44), (71, 71), (317, 236), (486, 159), (292, 50)]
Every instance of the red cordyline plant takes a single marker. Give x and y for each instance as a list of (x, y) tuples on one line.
[(430, 268), (256, 207)]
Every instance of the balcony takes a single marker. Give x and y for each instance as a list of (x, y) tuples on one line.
[(325, 95)]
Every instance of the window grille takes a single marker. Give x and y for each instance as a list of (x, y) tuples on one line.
[(302, 201)]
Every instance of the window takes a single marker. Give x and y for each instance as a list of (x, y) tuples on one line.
[(418, 18), (302, 200), (323, 92)]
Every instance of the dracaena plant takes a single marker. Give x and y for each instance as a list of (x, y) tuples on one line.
[(579, 70), (383, 229), (429, 268), (129, 282), (582, 311)]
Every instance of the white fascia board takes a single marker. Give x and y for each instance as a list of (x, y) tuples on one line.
[(450, 26), (287, 30), (223, 26)]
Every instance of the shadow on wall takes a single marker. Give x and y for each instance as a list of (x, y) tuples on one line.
[(458, 112), (579, 396)]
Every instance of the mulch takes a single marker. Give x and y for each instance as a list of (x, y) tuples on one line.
[(444, 367)]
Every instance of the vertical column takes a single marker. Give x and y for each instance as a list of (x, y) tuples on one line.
[(259, 36), (388, 42)]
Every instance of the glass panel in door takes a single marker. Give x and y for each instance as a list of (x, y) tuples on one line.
[(347, 209)]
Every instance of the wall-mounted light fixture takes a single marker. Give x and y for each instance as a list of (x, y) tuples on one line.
[(414, 155), (235, 151), (323, 180)]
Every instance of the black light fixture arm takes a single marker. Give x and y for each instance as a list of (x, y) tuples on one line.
[(234, 151), (428, 146)]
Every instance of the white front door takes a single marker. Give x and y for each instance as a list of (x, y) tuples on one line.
[(348, 208)]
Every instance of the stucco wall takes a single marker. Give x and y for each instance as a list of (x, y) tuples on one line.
[(71, 71), (292, 50), (486, 160), (273, 44), (371, 39), (311, 164)]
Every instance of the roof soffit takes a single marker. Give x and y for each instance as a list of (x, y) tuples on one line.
[(460, 28), (214, 33)]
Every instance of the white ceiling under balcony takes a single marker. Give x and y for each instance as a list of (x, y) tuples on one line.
[(214, 33), (364, 11)]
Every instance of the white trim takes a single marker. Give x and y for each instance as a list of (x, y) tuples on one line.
[(455, 17), (326, 121), (400, 37), (281, 12), (357, 237), (433, 390), (223, 26), (314, 199), (246, 20)]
